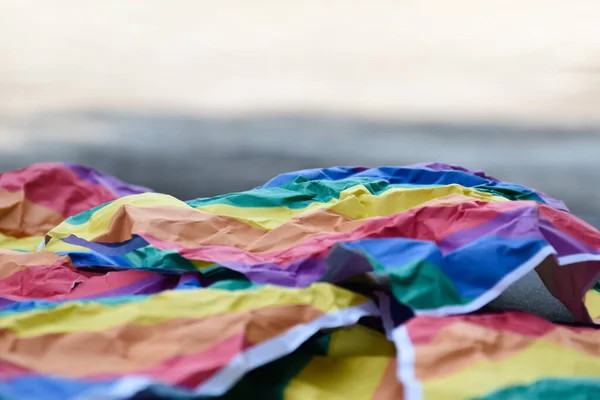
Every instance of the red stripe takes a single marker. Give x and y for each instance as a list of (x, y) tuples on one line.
[(55, 186)]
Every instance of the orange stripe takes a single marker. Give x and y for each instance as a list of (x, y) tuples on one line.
[(459, 345), (456, 346), (389, 387), (164, 223), (14, 261), (19, 217), (132, 347)]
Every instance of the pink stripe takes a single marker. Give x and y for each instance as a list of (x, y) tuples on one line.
[(424, 329), (9, 370), (58, 282), (43, 282), (109, 282)]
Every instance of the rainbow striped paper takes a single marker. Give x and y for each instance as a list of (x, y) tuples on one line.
[(509, 355), (337, 283)]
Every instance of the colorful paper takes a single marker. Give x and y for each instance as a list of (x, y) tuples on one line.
[(337, 283), (496, 356)]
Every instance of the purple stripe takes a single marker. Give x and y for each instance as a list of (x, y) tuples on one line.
[(301, 273), (297, 274), (559, 205), (5, 302), (116, 186), (564, 243), (519, 223)]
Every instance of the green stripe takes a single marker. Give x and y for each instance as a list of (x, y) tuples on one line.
[(299, 194), (550, 389), (294, 195), (510, 193), (420, 285), (85, 216), (236, 284), (151, 258)]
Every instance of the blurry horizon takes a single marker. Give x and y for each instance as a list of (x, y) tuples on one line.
[(170, 95)]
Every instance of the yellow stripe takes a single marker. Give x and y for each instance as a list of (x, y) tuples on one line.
[(338, 378), (75, 317), (543, 359), (56, 245), (592, 302), (356, 361), (20, 244), (359, 341), (32, 243), (101, 219), (355, 203)]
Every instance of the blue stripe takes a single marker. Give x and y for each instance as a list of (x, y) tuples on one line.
[(396, 175), (474, 269), (479, 266), (109, 249), (40, 387), (37, 387), (87, 259), (38, 305)]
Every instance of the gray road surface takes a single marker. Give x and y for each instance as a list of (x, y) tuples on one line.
[(191, 156)]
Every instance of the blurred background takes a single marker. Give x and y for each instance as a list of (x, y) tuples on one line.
[(197, 98)]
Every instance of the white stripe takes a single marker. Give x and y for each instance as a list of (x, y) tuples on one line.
[(280, 346), (405, 369), (495, 291), (254, 357), (41, 245), (578, 258), (386, 314)]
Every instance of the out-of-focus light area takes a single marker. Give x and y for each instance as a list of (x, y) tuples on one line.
[(197, 98)]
